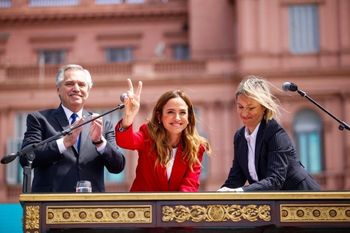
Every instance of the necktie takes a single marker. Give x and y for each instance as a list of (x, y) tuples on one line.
[(73, 118)]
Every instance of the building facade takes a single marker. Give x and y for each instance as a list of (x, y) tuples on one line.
[(204, 47)]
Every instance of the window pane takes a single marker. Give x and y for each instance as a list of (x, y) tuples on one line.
[(109, 1), (5, 3), (14, 171), (181, 52), (308, 133), (119, 54), (302, 139), (50, 3), (204, 170), (205, 161), (52, 57), (119, 1), (315, 161), (135, 1), (303, 28)]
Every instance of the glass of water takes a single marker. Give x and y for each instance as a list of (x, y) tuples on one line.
[(83, 186)]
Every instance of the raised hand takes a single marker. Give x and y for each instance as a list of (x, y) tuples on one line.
[(132, 104)]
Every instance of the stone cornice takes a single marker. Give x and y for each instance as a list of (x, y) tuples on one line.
[(33, 15)]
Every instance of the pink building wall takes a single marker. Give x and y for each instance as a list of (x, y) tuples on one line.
[(227, 39)]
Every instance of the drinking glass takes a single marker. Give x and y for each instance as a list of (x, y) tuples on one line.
[(83, 186)]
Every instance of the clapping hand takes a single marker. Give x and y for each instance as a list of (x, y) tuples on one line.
[(71, 138), (96, 129)]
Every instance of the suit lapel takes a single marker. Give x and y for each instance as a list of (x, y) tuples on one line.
[(61, 118), (242, 154), (84, 136)]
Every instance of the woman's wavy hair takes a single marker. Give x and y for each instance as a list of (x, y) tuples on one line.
[(190, 139)]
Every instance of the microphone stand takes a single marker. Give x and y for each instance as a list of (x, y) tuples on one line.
[(28, 151), (342, 125)]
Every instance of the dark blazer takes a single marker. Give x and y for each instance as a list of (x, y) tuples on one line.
[(56, 172), (277, 165)]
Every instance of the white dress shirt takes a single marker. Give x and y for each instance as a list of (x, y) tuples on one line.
[(170, 164), (251, 141)]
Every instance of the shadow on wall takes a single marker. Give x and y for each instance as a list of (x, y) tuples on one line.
[(11, 218)]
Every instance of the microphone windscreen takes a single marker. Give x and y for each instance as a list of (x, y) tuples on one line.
[(288, 86), (285, 86), (123, 97)]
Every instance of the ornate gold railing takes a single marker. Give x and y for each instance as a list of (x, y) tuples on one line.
[(205, 211)]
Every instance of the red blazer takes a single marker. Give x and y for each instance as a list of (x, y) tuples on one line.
[(151, 177)]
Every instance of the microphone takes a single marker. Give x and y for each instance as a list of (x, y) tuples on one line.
[(123, 97), (288, 86), (9, 158)]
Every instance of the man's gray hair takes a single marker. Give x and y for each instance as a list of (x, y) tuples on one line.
[(63, 69)]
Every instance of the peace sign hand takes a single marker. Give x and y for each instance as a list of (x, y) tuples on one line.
[(132, 104)]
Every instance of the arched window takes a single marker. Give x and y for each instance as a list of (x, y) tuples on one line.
[(308, 128)]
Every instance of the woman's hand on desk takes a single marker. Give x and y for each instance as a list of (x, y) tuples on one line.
[(226, 189)]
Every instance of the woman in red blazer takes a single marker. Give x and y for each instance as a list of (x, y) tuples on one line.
[(169, 147)]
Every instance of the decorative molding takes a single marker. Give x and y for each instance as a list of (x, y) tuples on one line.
[(32, 218), (216, 213), (175, 34), (315, 213), (51, 39), (119, 36), (342, 196), (99, 214), (116, 13), (293, 2)]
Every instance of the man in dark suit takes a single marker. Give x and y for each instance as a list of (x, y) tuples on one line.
[(264, 153), (81, 155)]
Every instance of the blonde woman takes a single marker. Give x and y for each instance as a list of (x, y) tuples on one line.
[(169, 147), (263, 152)]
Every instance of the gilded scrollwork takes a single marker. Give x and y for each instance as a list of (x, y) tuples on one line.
[(32, 218), (98, 214), (216, 213), (315, 212)]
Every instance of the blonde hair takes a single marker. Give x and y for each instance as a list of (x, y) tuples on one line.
[(190, 139), (259, 90)]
